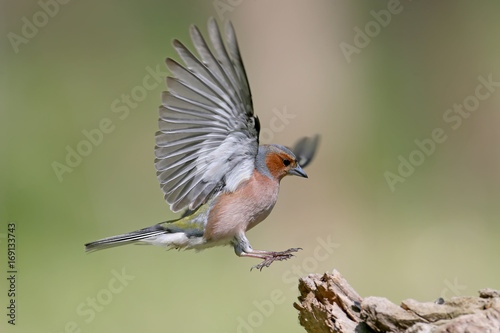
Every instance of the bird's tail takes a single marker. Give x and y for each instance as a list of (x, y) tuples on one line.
[(180, 233), (131, 237)]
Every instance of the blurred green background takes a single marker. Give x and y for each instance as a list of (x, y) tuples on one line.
[(435, 235)]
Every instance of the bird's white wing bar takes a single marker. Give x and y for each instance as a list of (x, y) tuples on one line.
[(208, 134)]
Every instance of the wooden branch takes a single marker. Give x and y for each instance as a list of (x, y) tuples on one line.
[(327, 303)]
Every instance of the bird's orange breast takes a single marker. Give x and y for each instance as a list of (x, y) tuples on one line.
[(243, 209)]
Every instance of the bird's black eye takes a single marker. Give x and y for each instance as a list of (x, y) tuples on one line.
[(286, 162)]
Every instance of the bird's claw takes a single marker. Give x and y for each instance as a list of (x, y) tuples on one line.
[(273, 256)]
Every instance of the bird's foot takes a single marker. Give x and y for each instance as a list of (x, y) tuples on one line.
[(271, 257)]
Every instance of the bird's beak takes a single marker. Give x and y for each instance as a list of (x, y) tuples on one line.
[(297, 171)]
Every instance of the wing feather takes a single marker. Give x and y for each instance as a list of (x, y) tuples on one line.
[(196, 66), (238, 65), (305, 149), (174, 103), (198, 82), (208, 58), (226, 64), (208, 134)]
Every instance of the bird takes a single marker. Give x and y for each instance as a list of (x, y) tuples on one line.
[(209, 162)]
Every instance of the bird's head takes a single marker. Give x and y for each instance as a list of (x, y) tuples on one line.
[(280, 161)]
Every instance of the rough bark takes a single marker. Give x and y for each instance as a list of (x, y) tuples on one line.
[(327, 303)]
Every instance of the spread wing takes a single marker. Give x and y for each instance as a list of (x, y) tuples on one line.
[(305, 149), (208, 136)]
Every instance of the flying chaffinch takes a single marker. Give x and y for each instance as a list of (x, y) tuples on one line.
[(208, 157)]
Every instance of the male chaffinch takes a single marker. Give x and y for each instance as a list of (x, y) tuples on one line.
[(208, 157)]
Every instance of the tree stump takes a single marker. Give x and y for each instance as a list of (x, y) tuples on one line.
[(327, 303)]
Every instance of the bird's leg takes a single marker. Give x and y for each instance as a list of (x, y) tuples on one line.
[(243, 248), (269, 256)]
